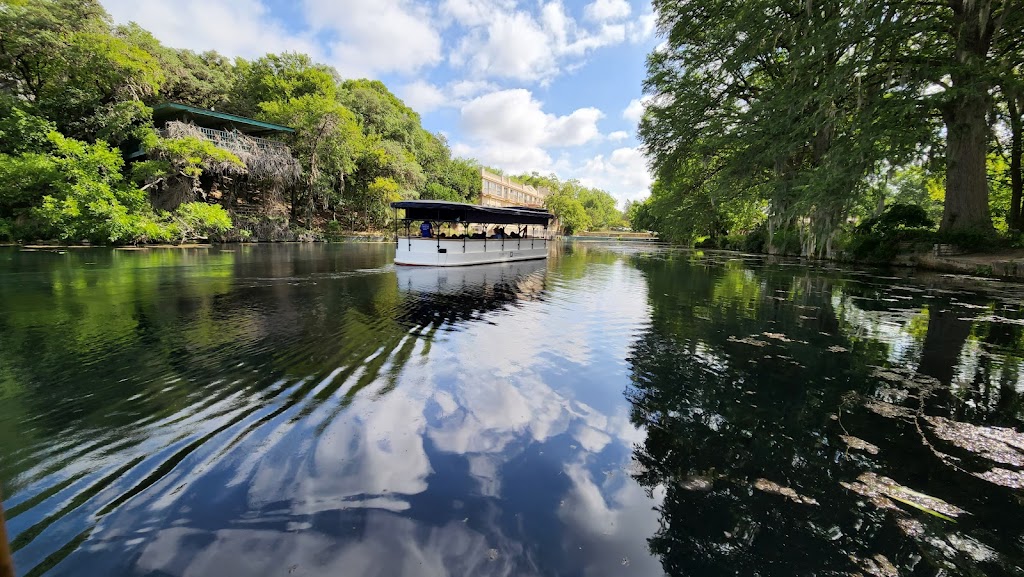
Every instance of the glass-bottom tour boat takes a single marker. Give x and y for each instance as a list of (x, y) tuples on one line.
[(440, 233)]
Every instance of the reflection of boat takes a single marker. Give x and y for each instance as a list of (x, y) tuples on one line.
[(472, 280), (518, 233), (456, 293)]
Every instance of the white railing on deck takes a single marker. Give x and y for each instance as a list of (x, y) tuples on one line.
[(236, 140)]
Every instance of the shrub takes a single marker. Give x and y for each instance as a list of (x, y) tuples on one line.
[(896, 217), (785, 241), (199, 220), (333, 231), (20, 130), (306, 235), (971, 240), (756, 240)]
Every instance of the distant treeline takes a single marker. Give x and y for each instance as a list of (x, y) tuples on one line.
[(76, 93), (794, 127)]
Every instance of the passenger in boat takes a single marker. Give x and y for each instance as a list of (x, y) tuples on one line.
[(426, 230), (514, 235), (499, 233)]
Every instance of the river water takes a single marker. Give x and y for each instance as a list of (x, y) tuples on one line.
[(615, 410)]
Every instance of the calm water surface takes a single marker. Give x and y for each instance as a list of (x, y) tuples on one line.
[(616, 410)]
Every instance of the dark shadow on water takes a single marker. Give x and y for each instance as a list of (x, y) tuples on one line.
[(816, 424)]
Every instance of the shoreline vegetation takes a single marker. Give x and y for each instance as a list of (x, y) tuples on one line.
[(839, 131), (83, 158)]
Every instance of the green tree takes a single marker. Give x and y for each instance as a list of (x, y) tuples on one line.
[(61, 57), (86, 196), (802, 107), (278, 78), (576, 206), (569, 211), (203, 80)]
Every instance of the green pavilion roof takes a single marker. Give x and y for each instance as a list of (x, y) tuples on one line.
[(168, 111)]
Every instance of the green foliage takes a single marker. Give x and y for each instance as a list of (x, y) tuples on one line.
[(879, 239), (577, 207), (79, 193), (197, 220), (202, 80), (189, 155), (896, 217), (333, 231), (278, 78), (65, 69), (327, 142), (454, 179), (21, 130), (85, 196), (800, 113), (569, 211)]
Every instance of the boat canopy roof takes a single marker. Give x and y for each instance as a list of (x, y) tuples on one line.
[(443, 211)]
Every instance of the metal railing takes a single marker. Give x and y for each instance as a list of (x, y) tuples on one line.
[(234, 140)]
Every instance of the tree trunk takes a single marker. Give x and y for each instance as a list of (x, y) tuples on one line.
[(966, 206), (943, 344), (1015, 216), (965, 114)]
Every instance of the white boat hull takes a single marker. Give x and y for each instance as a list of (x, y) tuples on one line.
[(465, 252)]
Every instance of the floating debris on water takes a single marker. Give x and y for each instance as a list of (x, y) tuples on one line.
[(697, 483), (879, 565), (838, 349), (879, 489), (999, 444), (859, 444), (1003, 477), (748, 341), (782, 338), (888, 409), (772, 487)]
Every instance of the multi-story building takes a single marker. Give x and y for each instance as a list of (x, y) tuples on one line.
[(503, 191)]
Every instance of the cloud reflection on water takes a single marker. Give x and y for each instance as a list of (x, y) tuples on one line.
[(364, 491)]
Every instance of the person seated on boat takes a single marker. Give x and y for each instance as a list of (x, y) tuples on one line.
[(426, 229), (499, 233), (478, 235), (442, 235), (514, 235)]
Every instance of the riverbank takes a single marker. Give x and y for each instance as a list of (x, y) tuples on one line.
[(1005, 264), (1008, 264)]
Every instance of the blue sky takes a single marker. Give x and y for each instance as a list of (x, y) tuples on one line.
[(532, 85)]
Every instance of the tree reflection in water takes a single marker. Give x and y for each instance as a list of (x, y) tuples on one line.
[(806, 422)]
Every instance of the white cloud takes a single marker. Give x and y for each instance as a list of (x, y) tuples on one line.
[(514, 117), (504, 42), (642, 28), (512, 158), (425, 97), (601, 10), (510, 129), (635, 111), (475, 12), (376, 37), (624, 173), (422, 96), (200, 25), (470, 88), (371, 38)]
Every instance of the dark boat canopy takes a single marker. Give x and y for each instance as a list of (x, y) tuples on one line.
[(443, 211)]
